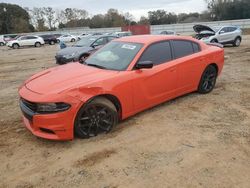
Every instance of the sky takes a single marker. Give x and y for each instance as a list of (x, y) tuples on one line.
[(137, 8)]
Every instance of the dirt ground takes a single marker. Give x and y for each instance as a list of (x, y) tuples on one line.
[(193, 141)]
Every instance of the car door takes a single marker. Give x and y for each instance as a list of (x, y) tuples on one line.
[(152, 86), (31, 40), (190, 65), (23, 41), (224, 35)]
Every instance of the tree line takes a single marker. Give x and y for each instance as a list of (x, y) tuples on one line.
[(15, 19)]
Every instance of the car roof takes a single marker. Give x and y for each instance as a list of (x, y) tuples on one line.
[(148, 39)]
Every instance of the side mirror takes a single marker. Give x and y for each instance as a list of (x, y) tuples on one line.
[(221, 32), (144, 65), (94, 45)]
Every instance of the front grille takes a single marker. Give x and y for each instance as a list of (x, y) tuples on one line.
[(32, 106)]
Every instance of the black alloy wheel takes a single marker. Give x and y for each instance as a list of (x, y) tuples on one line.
[(98, 116), (208, 80)]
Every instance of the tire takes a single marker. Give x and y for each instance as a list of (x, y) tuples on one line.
[(1, 44), (237, 42), (83, 58), (214, 41), (37, 44), (97, 116), (73, 40), (15, 46), (52, 42), (208, 80)]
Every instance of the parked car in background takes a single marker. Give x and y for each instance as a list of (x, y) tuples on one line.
[(125, 77), (49, 39), (67, 38), (83, 35), (122, 34), (57, 35), (82, 49), (28, 40), (2, 41), (168, 32), (222, 34)]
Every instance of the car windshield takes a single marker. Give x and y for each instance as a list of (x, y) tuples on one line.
[(216, 29), (85, 41), (114, 56)]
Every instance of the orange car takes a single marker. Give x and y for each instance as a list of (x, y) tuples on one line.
[(124, 77)]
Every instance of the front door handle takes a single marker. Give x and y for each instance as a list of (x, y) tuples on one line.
[(173, 70)]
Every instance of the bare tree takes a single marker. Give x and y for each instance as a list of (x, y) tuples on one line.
[(49, 13)]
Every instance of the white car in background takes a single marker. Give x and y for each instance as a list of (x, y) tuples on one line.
[(83, 35), (67, 38), (2, 41), (28, 40)]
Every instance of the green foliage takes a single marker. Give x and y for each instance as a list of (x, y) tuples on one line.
[(161, 17), (229, 9), (13, 19)]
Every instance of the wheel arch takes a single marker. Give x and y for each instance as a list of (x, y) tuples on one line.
[(215, 66), (238, 37), (115, 100)]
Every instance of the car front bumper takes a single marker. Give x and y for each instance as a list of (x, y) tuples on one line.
[(63, 60), (53, 126)]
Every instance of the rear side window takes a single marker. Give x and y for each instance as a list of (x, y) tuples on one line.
[(158, 53), (182, 48), (232, 29), (31, 37), (196, 47)]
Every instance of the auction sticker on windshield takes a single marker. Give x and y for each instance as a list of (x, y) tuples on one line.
[(128, 46)]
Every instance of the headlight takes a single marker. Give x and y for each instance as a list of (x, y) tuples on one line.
[(70, 55), (52, 107)]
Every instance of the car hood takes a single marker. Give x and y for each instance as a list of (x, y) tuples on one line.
[(66, 77), (13, 41), (201, 28), (74, 49)]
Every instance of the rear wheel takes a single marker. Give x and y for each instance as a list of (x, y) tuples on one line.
[(237, 42), (37, 44), (15, 46), (52, 42), (208, 80), (73, 40), (1, 44), (98, 116)]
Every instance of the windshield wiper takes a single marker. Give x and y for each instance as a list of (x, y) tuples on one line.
[(94, 65)]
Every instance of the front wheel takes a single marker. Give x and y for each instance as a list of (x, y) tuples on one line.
[(15, 46), (52, 42), (83, 58), (208, 80), (73, 40), (97, 116), (37, 44), (214, 41)]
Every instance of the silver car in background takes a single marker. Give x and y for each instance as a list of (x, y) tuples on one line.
[(222, 34)]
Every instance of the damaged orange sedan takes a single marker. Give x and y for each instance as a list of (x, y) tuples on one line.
[(125, 77)]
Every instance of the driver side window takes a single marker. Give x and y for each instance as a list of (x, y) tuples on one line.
[(224, 30), (99, 42), (158, 53)]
